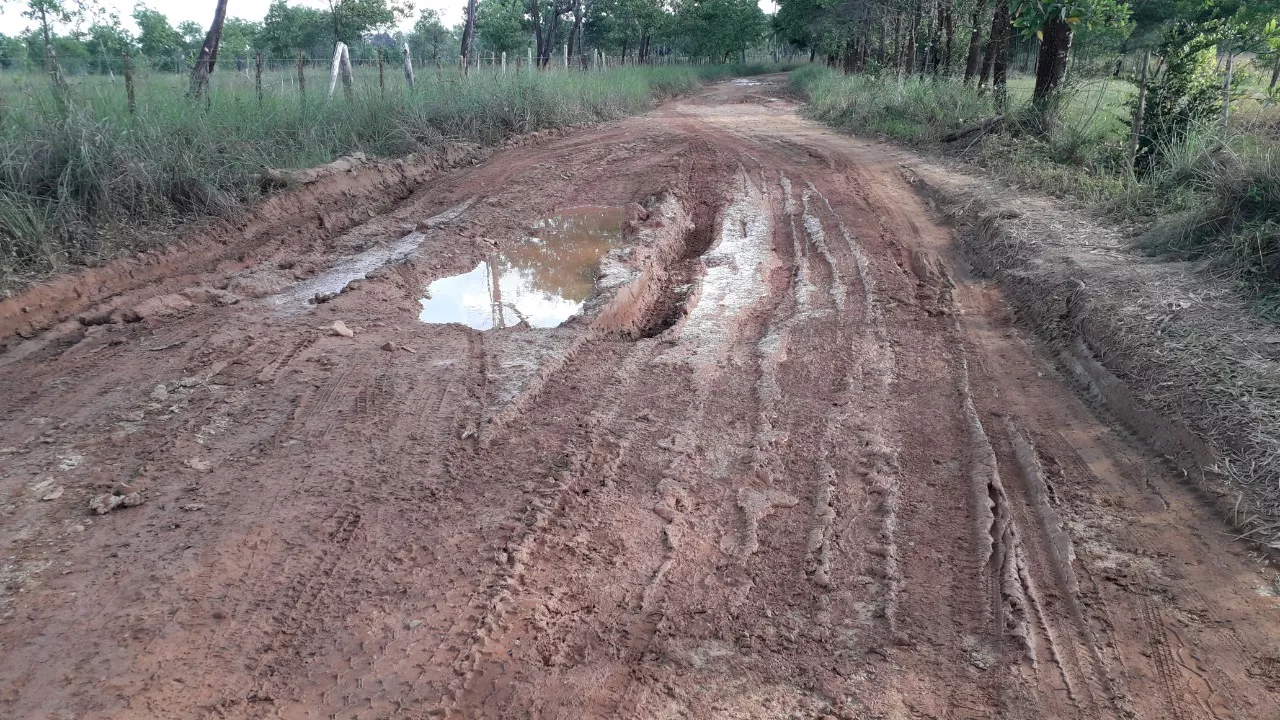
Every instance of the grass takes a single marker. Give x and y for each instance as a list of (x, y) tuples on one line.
[(77, 178), (1215, 196)]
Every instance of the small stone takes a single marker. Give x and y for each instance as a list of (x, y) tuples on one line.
[(76, 529), (57, 493), (390, 346), (160, 394), (107, 502), (199, 465), (193, 507), (340, 328), (415, 624)]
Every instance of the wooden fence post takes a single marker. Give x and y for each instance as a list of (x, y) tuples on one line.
[(128, 81), (348, 82), (504, 62), (257, 76), (1138, 111), (566, 56), (529, 51), (408, 65), (1226, 91), (382, 83), (302, 78)]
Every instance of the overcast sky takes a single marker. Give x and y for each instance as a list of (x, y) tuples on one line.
[(201, 11)]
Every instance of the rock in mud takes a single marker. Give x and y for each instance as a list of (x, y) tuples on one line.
[(199, 465), (340, 328), (57, 493), (107, 502), (390, 346)]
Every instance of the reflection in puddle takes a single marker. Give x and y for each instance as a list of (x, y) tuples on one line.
[(542, 281)]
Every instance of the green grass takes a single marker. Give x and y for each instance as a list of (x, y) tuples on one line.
[(1215, 196), (77, 178)]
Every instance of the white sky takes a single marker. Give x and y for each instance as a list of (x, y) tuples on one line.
[(201, 11)]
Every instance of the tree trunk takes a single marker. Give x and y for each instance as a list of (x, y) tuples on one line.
[(469, 32), (950, 8), (575, 35), (1275, 75), (535, 12), (208, 53), (984, 73), (912, 33), (1051, 69), (1000, 31)]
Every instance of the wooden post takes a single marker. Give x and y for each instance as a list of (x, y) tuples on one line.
[(257, 76), (529, 50), (504, 62), (566, 56), (128, 82), (348, 82), (1226, 91), (408, 65), (1138, 111), (302, 77), (382, 83), (341, 65)]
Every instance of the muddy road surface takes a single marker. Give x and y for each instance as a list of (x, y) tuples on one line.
[(692, 415)]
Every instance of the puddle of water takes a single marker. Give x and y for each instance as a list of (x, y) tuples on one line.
[(543, 280), (333, 280)]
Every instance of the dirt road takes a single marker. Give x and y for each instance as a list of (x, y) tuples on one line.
[(788, 461)]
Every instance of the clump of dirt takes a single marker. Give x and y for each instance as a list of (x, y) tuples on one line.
[(1174, 355)]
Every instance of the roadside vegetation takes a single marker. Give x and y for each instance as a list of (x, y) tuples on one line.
[(108, 129), (1202, 172)]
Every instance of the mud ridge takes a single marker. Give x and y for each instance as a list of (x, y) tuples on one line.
[(323, 208), (1083, 312)]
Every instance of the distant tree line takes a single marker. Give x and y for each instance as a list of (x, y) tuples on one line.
[(87, 38)]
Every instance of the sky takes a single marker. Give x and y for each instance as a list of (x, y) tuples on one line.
[(12, 22), (201, 11)]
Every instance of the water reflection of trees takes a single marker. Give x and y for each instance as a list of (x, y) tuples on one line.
[(562, 262)]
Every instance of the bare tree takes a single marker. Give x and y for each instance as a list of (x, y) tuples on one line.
[(208, 53)]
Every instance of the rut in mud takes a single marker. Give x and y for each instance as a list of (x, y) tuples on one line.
[(784, 459)]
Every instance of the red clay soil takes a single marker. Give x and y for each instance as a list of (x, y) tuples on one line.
[(792, 463)]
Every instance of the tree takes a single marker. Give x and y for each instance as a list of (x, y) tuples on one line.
[(351, 19), (48, 12), (106, 40), (208, 56), (429, 35), (157, 39), (1052, 21), (468, 34), (286, 30), (500, 25), (718, 28)]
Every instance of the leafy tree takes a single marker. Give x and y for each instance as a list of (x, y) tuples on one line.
[(430, 36), (718, 28), (286, 30), (48, 13), (351, 19), (192, 36), (1183, 96), (500, 25), (105, 42), (1053, 22), (239, 37), (157, 39)]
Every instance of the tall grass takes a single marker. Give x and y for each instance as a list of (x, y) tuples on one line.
[(77, 177), (1214, 196)]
